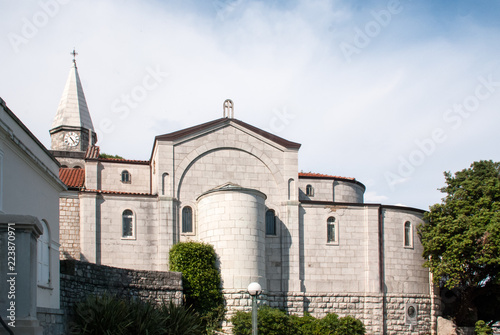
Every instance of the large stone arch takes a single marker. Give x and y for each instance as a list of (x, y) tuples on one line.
[(218, 145)]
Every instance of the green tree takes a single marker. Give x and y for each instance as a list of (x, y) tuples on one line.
[(201, 280), (104, 155), (461, 238)]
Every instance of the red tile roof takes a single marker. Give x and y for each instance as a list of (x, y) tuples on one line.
[(93, 152), (117, 192), (319, 175), (120, 160), (73, 178), (193, 130)]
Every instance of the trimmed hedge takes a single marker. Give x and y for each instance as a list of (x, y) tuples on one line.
[(272, 321), (200, 279)]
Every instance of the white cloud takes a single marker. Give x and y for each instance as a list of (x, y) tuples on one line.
[(353, 119)]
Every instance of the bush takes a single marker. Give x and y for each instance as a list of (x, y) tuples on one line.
[(306, 325), (272, 321), (350, 326), (101, 315), (242, 323), (180, 320), (201, 280), (109, 315), (482, 328)]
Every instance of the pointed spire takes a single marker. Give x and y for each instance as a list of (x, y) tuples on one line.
[(73, 110)]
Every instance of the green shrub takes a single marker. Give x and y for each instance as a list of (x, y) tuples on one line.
[(109, 315), (306, 325), (201, 280), (180, 320), (350, 326), (103, 155), (482, 328), (329, 324), (242, 323), (272, 321), (101, 315)]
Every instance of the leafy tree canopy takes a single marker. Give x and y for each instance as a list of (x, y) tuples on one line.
[(461, 238), (104, 155)]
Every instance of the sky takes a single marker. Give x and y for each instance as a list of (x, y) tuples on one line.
[(392, 93)]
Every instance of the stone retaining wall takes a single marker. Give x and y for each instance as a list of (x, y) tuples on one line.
[(377, 312), (80, 279)]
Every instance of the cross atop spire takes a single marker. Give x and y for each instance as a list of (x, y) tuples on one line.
[(73, 110), (74, 53)]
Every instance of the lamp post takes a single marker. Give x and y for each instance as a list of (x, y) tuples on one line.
[(254, 289)]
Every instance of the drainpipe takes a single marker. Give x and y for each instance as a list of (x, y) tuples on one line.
[(382, 267)]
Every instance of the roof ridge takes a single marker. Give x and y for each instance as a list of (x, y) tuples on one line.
[(197, 128), (320, 175)]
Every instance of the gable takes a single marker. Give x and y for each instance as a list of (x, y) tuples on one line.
[(210, 126)]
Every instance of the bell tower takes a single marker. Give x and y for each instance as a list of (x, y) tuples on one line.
[(72, 131)]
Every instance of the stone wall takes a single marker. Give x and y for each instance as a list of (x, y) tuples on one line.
[(380, 314), (51, 320), (69, 227), (79, 280)]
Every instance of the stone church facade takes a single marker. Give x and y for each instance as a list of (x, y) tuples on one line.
[(309, 239)]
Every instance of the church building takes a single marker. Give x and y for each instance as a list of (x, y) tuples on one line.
[(308, 239)]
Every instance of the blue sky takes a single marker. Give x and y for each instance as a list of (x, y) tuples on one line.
[(392, 93)]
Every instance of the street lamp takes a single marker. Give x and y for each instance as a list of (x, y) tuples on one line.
[(254, 289)]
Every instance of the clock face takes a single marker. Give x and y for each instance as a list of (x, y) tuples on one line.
[(71, 139)]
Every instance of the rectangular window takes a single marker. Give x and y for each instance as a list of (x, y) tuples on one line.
[(331, 231), (127, 224), (43, 256), (408, 235), (187, 220), (270, 222), (1, 181)]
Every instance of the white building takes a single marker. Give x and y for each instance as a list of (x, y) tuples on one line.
[(29, 227), (308, 239)]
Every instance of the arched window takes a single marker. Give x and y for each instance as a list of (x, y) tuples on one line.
[(128, 224), (270, 222), (126, 178), (43, 256), (408, 234), (187, 220), (309, 191), (291, 189), (164, 183), (331, 230)]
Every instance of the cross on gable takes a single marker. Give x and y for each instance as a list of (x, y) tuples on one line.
[(228, 108)]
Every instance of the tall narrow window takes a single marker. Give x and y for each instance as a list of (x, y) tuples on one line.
[(125, 176), (1, 180), (127, 223), (43, 256), (309, 190), (187, 220), (331, 230), (408, 234), (291, 189), (270, 222), (164, 183)]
